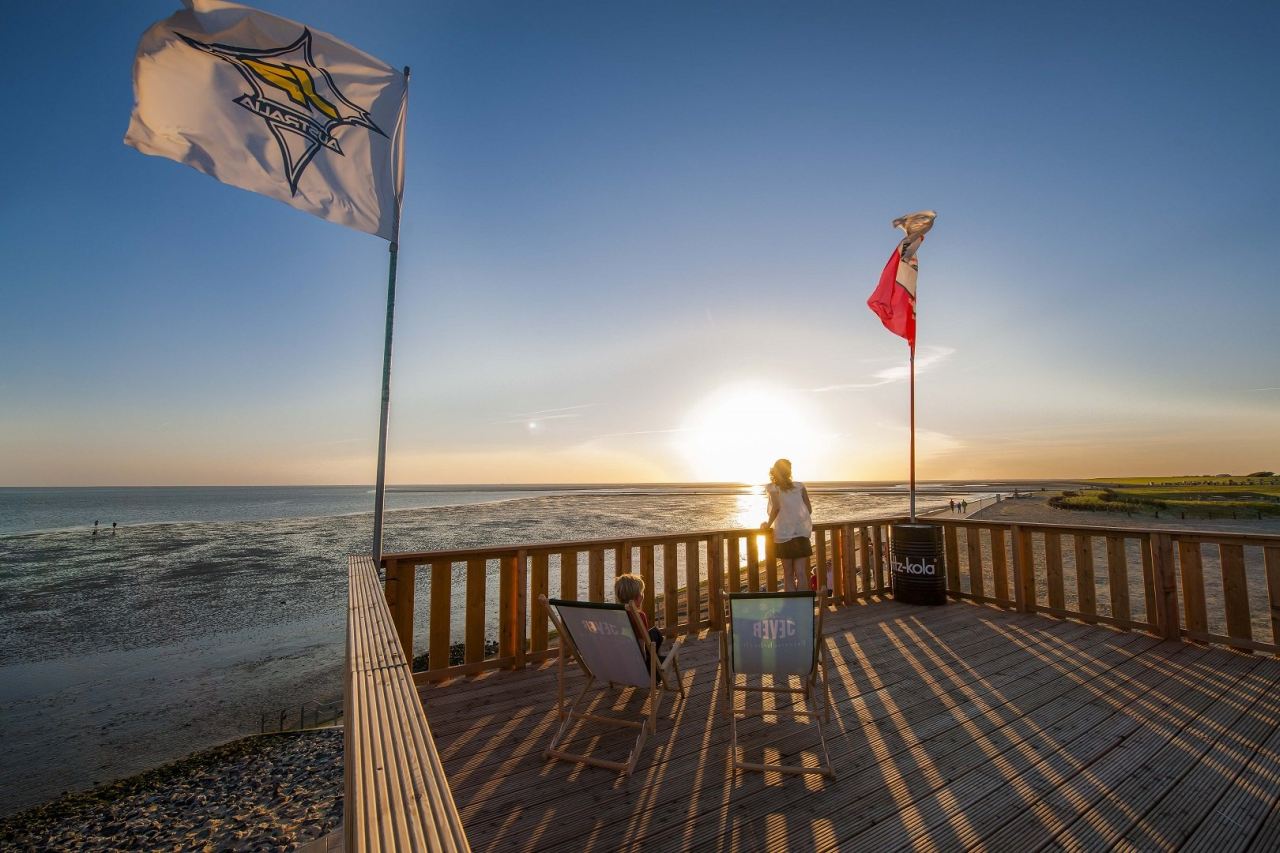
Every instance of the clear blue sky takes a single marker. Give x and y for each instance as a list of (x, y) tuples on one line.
[(648, 230)]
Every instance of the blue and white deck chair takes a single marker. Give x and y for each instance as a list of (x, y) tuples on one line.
[(603, 640), (776, 634)]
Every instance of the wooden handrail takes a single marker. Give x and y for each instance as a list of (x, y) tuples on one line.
[(1148, 579), (397, 796)]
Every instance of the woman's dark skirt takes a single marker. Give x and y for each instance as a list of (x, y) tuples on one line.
[(795, 549)]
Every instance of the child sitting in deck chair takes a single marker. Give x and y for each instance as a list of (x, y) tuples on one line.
[(629, 589)]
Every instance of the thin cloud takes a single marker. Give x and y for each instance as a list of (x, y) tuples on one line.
[(925, 360), (549, 414), (637, 432), (1264, 389)]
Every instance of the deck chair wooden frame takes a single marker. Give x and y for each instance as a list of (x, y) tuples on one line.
[(661, 676), (814, 685)]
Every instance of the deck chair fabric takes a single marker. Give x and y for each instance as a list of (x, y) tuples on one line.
[(603, 639), (776, 634)]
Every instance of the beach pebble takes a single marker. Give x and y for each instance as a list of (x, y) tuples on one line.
[(264, 793)]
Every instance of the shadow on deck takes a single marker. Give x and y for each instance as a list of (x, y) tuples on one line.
[(954, 727)]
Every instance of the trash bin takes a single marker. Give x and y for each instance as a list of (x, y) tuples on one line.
[(917, 565)]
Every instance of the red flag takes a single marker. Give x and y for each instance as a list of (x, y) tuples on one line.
[(894, 299)]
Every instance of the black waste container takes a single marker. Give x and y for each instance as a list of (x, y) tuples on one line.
[(918, 568)]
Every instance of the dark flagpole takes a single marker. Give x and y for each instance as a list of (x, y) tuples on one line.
[(380, 485), (913, 434), (914, 226)]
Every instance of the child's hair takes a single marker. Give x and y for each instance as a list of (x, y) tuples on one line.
[(780, 475), (628, 588)]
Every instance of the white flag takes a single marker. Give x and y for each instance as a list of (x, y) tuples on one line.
[(266, 104)]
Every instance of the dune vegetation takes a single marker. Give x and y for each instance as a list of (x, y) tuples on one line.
[(1255, 495)]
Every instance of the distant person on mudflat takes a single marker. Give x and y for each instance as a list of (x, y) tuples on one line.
[(953, 504), (791, 517)]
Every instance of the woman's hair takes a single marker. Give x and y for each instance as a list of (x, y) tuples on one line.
[(780, 475), (628, 588)]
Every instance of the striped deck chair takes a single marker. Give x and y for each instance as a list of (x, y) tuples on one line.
[(613, 653), (776, 634)]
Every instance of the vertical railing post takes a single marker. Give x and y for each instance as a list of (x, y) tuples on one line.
[(1167, 616), (646, 573), (820, 562), (521, 627), (951, 550), (507, 606), (399, 593), (439, 626), (753, 562), (1271, 561), (864, 551), (715, 581), (670, 590), (770, 559), (693, 586), (877, 556), (847, 564), (1024, 571)]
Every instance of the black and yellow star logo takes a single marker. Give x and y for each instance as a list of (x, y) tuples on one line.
[(296, 98)]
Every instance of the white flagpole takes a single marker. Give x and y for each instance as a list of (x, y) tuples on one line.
[(380, 485)]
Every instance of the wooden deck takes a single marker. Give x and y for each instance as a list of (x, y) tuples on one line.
[(956, 727)]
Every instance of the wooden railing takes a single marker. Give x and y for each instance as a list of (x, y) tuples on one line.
[(1219, 588), (478, 596), (396, 793), (478, 604)]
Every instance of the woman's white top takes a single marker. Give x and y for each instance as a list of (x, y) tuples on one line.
[(794, 520)]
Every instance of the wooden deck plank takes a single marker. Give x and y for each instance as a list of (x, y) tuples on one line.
[(1030, 752), (1058, 809), (1143, 784), (669, 776), (666, 780), (947, 719), (876, 694), (895, 782), (1212, 774), (1241, 816), (932, 714), (983, 648), (860, 757), (1147, 763)]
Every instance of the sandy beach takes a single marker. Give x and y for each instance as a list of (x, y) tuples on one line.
[(1034, 508)]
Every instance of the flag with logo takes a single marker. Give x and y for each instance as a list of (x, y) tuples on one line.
[(894, 299), (274, 107)]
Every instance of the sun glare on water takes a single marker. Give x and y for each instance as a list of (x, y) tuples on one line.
[(737, 433)]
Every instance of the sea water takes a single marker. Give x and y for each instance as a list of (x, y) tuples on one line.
[(209, 607)]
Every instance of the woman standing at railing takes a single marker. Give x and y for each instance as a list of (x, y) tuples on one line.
[(791, 517)]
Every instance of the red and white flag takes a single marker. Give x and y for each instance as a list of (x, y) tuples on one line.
[(894, 299)]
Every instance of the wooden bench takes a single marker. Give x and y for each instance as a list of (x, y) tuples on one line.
[(397, 796)]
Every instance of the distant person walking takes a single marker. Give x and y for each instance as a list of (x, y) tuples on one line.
[(791, 517), (113, 528), (95, 527), (953, 504)]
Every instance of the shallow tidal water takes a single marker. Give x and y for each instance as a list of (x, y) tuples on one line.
[(118, 653)]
